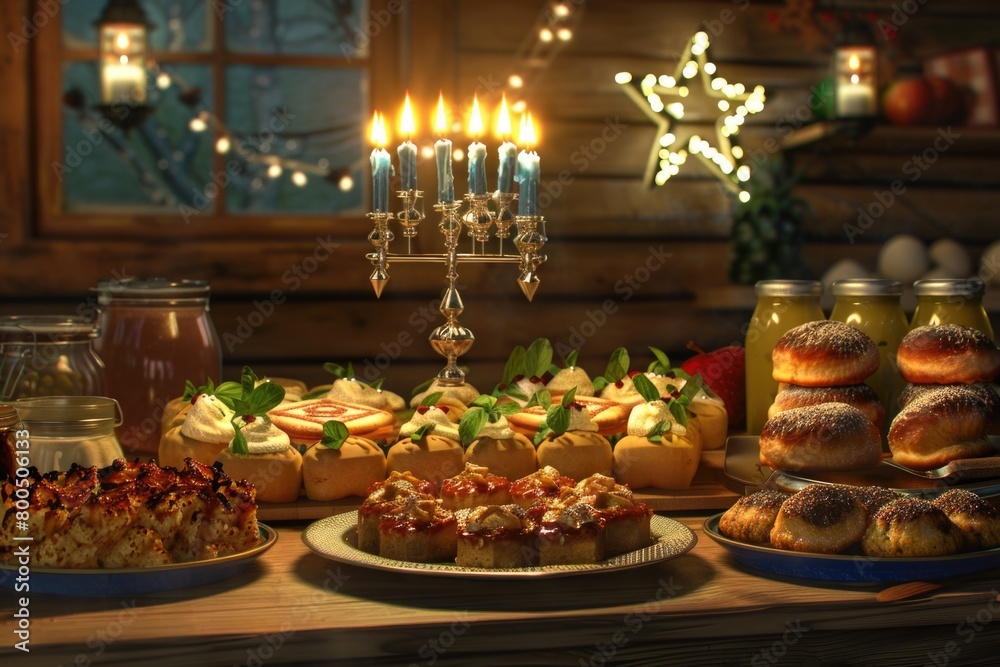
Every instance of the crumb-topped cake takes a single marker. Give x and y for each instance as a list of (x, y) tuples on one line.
[(130, 515)]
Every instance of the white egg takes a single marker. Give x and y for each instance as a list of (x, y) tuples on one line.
[(938, 273), (844, 270), (989, 264), (950, 257), (903, 258)]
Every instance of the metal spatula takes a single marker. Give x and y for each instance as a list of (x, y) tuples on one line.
[(960, 469)]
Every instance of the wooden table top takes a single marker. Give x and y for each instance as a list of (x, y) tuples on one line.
[(293, 607)]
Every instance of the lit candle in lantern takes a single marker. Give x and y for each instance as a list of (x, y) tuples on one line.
[(124, 78), (855, 82), (477, 152), (381, 166), (507, 152), (528, 169), (407, 151), (442, 155)]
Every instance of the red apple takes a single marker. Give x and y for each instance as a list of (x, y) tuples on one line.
[(908, 101), (724, 371), (949, 104)]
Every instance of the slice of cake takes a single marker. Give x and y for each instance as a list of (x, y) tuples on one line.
[(495, 536), (545, 484), (473, 487), (419, 530), (383, 497), (571, 532)]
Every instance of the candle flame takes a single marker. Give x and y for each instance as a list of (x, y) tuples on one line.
[(406, 123), (441, 117), (527, 136), (854, 62), (475, 118), (378, 135), (503, 119), (122, 41)]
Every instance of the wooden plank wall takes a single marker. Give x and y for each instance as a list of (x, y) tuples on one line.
[(626, 262)]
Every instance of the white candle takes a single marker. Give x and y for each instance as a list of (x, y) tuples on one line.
[(442, 155), (477, 152), (124, 83), (854, 100)]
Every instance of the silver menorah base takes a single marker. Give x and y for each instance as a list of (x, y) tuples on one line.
[(483, 223)]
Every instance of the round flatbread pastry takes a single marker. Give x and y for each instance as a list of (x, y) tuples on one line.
[(303, 421), (609, 416)]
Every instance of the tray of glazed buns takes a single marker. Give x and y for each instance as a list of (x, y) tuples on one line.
[(825, 425), (313, 453)]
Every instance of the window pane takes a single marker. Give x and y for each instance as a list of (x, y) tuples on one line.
[(310, 118), (156, 167), (178, 25), (322, 27)]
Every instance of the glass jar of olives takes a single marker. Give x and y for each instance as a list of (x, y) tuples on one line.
[(49, 355)]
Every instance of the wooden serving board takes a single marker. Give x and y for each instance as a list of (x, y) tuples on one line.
[(707, 492)]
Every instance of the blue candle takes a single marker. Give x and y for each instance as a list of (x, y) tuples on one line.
[(407, 165), (381, 168), (477, 168), (446, 180), (528, 176), (505, 175)]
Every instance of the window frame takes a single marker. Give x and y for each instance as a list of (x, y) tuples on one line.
[(53, 221)]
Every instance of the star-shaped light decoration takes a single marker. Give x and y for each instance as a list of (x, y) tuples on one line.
[(663, 99)]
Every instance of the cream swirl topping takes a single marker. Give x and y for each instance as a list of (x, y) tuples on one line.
[(498, 430), (442, 425), (645, 416), (209, 420), (263, 437), (359, 393), (568, 378), (579, 420)]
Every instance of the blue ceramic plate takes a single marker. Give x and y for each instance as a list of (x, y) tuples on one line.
[(131, 581), (850, 568)]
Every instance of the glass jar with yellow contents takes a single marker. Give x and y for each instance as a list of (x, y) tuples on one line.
[(781, 305), (872, 305), (944, 301)]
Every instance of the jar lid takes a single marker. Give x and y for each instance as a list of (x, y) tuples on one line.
[(55, 327), (867, 287), (82, 410), (152, 288), (788, 288), (949, 287), (8, 416)]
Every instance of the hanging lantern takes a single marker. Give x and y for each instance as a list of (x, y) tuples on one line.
[(855, 72), (122, 31)]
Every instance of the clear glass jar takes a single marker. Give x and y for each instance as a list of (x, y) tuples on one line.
[(49, 355), (156, 334), (872, 305), (9, 425), (70, 429), (951, 301), (781, 305)]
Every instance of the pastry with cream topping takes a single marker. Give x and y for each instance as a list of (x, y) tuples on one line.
[(341, 465), (568, 440), (463, 393), (206, 430), (271, 464), (491, 442), (429, 446)]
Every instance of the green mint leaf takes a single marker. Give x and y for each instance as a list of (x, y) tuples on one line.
[(537, 358), (316, 393), (189, 391), (239, 442), (471, 424), (656, 433), (679, 413), (377, 384), (514, 364), (265, 397), (543, 432), (484, 401), (507, 409), (350, 371), (661, 364), (432, 399), (423, 386), (247, 381), (617, 365), (645, 387), (241, 407), (513, 391), (600, 383), (568, 398), (572, 357), (681, 373), (229, 391), (692, 388), (557, 417), (419, 434), (333, 369), (334, 434)]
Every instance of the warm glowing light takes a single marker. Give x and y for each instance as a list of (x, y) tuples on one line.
[(458, 155), (855, 78), (561, 10), (346, 183), (406, 122), (527, 136), (475, 119), (299, 179), (515, 81), (545, 35), (744, 196), (503, 119), (623, 77), (378, 135), (222, 145), (709, 68), (427, 152), (122, 41), (519, 106), (274, 170), (564, 34), (743, 173), (197, 124), (668, 139), (723, 105), (441, 117), (163, 81), (854, 62)]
